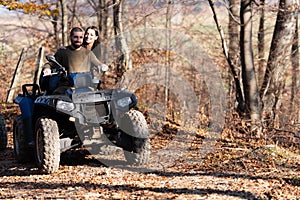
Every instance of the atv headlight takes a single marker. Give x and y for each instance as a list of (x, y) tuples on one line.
[(63, 105), (124, 102)]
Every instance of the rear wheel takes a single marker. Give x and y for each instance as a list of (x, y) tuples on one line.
[(22, 151), (3, 134), (47, 145), (135, 138)]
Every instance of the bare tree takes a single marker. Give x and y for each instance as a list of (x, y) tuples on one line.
[(103, 21), (233, 67), (234, 51), (267, 98), (64, 22), (121, 44), (280, 51), (101, 8), (74, 19), (251, 93), (233, 32), (261, 42), (55, 28), (294, 104)]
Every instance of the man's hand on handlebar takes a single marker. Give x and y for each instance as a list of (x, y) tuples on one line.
[(47, 72), (103, 68)]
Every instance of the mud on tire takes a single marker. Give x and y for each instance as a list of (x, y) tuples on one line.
[(47, 145), (135, 138), (22, 151), (3, 134)]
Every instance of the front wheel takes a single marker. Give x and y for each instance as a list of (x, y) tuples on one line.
[(47, 145), (141, 157), (135, 138), (3, 134)]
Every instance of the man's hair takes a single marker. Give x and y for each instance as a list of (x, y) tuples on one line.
[(75, 29)]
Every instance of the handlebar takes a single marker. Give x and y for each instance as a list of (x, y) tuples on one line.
[(100, 68), (53, 73)]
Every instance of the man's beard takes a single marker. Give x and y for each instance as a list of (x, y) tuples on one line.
[(76, 45)]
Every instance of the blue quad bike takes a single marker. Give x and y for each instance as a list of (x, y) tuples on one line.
[(3, 134), (82, 116)]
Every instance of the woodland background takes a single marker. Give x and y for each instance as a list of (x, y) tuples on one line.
[(252, 158)]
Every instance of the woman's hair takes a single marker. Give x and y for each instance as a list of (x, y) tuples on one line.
[(96, 42)]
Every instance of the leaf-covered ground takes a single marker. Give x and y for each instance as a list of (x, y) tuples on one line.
[(237, 168)]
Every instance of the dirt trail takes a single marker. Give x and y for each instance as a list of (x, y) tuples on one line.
[(86, 178)]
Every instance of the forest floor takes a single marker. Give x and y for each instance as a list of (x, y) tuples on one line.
[(237, 168)]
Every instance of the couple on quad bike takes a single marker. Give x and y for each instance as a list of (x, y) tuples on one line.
[(75, 59)]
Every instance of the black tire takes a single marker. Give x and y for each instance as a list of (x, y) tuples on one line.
[(135, 138), (140, 158), (107, 149), (3, 134), (47, 145), (23, 153)]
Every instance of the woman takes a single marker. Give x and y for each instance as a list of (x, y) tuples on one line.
[(91, 41), (91, 37)]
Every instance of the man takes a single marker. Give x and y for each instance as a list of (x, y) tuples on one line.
[(75, 58)]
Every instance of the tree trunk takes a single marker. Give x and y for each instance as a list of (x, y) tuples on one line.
[(54, 23), (233, 33), (233, 69), (125, 61), (103, 19), (279, 55), (234, 52), (103, 23), (261, 43), (252, 105), (294, 107), (73, 13), (64, 22)]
